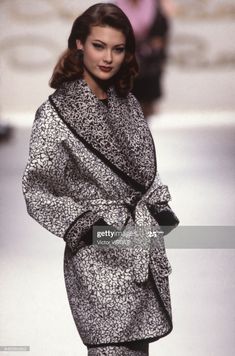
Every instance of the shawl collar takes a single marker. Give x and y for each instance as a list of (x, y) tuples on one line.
[(118, 134)]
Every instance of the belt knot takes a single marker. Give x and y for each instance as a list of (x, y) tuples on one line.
[(131, 201)]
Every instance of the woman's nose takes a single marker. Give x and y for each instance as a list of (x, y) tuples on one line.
[(108, 58)]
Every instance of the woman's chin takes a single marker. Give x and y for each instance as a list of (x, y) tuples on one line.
[(105, 76)]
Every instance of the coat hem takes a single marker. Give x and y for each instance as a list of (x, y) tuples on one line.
[(124, 342)]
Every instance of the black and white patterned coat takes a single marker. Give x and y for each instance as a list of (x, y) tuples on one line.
[(93, 164)]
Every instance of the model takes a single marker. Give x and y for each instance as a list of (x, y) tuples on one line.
[(92, 165)]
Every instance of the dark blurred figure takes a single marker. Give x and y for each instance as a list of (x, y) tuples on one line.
[(151, 23), (5, 132)]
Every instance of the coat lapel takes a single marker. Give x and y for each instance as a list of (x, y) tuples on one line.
[(118, 134)]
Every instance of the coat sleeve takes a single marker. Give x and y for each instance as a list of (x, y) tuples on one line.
[(161, 211), (44, 187)]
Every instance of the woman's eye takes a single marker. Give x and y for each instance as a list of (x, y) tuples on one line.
[(98, 45), (120, 49)]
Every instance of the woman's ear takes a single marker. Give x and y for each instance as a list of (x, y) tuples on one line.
[(79, 44)]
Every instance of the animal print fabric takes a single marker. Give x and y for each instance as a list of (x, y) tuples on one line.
[(73, 181), (117, 131), (108, 305)]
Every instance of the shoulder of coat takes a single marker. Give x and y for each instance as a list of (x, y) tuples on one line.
[(46, 112), (43, 108), (132, 99), (134, 103)]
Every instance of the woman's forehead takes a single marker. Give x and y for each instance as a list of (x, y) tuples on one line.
[(107, 34)]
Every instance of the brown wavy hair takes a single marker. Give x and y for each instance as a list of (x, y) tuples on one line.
[(70, 65)]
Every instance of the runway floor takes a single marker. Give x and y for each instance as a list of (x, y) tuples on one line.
[(196, 161)]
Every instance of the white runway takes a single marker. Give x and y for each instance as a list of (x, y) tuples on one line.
[(195, 154)]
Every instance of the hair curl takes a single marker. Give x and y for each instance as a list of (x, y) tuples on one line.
[(70, 65)]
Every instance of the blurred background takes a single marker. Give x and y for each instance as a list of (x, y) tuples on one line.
[(193, 125)]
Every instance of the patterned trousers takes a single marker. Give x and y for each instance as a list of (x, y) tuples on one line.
[(135, 348)]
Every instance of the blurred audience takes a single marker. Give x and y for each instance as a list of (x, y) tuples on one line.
[(151, 23), (5, 132)]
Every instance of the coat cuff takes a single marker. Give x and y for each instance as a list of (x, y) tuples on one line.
[(79, 233), (165, 217)]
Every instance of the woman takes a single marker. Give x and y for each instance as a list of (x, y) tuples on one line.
[(92, 166), (151, 24)]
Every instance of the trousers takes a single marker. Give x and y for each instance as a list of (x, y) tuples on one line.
[(135, 348)]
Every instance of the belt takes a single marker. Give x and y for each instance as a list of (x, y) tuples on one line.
[(143, 234), (148, 243)]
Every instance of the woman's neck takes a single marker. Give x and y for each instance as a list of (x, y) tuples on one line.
[(98, 87)]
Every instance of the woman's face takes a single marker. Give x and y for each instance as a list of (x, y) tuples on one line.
[(103, 52)]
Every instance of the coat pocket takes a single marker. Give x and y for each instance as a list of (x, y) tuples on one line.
[(103, 274)]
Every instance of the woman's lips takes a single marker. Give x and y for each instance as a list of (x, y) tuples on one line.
[(105, 69)]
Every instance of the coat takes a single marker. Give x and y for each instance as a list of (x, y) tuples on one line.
[(94, 166)]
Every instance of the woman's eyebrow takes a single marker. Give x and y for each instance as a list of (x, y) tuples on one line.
[(120, 44)]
